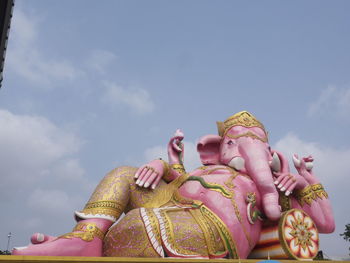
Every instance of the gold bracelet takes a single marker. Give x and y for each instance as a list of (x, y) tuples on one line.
[(178, 168), (88, 232), (166, 171), (319, 191), (310, 193)]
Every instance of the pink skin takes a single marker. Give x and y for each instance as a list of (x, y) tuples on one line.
[(320, 210), (216, 150), (222, 206), (176, 148), (66, 247)]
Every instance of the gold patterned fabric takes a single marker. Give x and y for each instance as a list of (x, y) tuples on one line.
[(190, 232), (180, 233), (128, 238), (111, 195), (118, 193), (170, 232)]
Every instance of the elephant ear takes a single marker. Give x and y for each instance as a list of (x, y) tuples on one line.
[(209, 149)]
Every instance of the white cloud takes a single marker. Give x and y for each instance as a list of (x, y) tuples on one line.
[(39, 68), (24, 28), (99, 60), (332, 167), (30, 145), (35, 151), (332, 100), (26, 60), (48, 200), (38, 160), (137, 99), (191, 156)]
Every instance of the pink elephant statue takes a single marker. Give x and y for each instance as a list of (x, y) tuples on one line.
[(216, 211)]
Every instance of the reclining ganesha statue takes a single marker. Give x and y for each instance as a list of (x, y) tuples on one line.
[(243, 202)]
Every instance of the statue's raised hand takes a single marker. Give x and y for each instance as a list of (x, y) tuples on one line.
[(176, 148), (304, 167)]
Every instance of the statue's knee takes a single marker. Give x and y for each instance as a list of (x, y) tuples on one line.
[(128, 238)]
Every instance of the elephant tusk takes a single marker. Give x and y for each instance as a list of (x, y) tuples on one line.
[(237, 163), (275, 164), (249, 213), (309, 166), (296, 161)]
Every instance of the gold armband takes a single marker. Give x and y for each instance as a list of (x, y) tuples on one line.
[(178, 168), (88, 232), (166, 170), (310, 193)]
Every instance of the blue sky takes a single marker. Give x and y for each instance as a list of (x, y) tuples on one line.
[(90, 86)]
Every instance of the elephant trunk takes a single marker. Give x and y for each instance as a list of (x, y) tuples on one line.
[(257, 165)]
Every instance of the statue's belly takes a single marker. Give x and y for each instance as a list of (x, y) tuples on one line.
[(229, 203)]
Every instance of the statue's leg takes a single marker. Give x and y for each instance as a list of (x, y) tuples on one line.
[(111, 196), (107, 203)]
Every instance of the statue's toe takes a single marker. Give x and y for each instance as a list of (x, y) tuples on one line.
[(39, 238)]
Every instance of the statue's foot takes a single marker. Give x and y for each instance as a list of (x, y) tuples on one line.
[(63, 247)]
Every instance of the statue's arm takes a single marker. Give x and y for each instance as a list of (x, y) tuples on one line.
[(307, 193), (150, 174), (313, 198)]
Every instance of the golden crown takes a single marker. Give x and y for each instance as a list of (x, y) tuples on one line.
[(243, 118)]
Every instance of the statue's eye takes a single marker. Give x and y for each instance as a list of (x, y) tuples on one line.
[(230, 142)]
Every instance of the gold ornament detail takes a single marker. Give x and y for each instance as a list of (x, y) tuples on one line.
[(110, 208), (301, 233), (298, 235), (178, 198), (178, 168), (88, 232), (247, 134), (242, 118), (165, 194), (310, 194)]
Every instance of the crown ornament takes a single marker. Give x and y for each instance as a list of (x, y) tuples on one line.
[(243, 118)]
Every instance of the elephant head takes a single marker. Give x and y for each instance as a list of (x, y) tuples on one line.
[(242, 144)]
